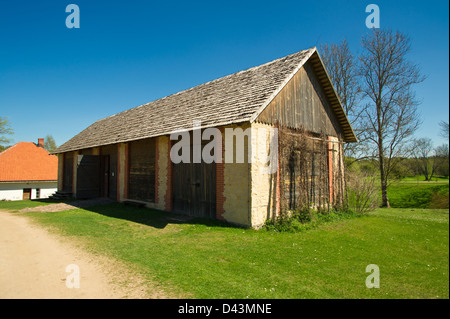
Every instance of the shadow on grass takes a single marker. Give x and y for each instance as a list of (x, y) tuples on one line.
[(145, 216), (152, 217)]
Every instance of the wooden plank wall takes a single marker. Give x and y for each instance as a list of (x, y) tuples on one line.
[(88, 176), (302, 104), (194, 186)]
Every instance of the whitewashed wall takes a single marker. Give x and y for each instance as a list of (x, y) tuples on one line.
[(14, 191)]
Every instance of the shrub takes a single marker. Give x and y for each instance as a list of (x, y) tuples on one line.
[(305, 219), (439, 201), (362, 193)]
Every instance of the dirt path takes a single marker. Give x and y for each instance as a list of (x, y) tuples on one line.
[(33, 265), (69, 205)]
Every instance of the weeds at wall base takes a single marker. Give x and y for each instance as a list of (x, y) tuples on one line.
[(306, 219)]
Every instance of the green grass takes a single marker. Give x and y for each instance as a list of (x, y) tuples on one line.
[(421, 178), (206, 259), (419, 195), (20, 204)]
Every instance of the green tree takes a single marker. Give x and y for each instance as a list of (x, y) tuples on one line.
[(49, 143), (5, 129)]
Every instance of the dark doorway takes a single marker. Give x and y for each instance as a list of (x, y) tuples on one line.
[(97, 176), (68, 172), (109, 176), (109, 171), (88, 173)]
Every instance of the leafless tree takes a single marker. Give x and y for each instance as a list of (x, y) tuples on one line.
[(422, 153), (390, 116), (442, 157), (342, 68), (444, 129)]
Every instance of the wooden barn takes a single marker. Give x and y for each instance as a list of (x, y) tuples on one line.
[(127, 156)]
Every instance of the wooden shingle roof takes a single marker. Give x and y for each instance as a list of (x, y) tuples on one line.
[(235, 98)]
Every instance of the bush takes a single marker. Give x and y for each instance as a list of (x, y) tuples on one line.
[(439, 201), (362, 193), (305, 219)]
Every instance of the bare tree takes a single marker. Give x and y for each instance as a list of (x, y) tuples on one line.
[(421, 151), (390, 116), (342, 68), (444, 129), (441, 160)]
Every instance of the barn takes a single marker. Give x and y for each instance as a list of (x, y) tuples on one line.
[(285, 110)]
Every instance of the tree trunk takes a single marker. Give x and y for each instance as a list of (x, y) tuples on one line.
[(384, 196), (383, 177)]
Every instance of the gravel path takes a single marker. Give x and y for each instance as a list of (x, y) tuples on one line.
[(33, 264)]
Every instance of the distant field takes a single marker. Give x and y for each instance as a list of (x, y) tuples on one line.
[(421, 178), (419, 195)]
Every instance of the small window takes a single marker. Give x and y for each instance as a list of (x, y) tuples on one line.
[(38, 193)]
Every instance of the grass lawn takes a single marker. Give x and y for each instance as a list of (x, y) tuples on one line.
[(19, 204), (419, 195), (421, 178), (204, 259)]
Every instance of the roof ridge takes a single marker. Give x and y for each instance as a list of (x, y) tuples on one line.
[(206, 83), (15, 145), (309, 53), (25, 161), (11, 147), (237, 97)]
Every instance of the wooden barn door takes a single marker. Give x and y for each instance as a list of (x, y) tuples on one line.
[(109, 176), (112, 185), (108, 169), (68, 172), (26, 193), (88, 176), (194, 189)]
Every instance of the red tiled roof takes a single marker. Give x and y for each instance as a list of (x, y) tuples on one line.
[(25, 161)]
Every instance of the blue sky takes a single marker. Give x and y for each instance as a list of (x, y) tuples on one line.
[(58, 81)]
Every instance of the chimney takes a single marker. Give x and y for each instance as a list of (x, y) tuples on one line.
[(40, 142)]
